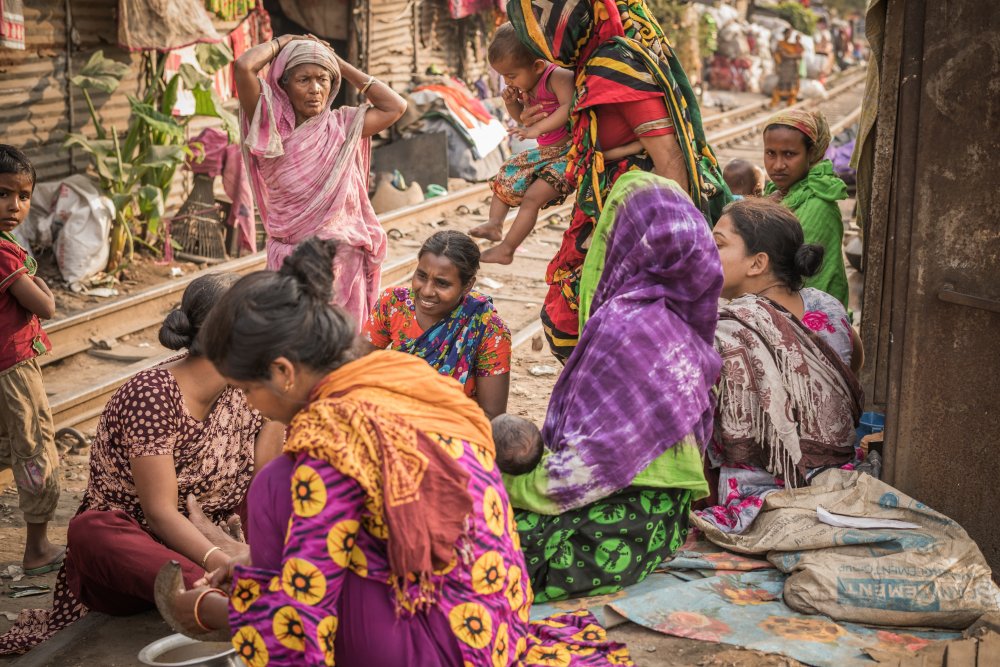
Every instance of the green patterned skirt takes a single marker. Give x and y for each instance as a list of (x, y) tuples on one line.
[(603, 547)]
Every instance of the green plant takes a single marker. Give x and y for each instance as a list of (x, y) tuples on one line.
[(136, 170), (802, 18)]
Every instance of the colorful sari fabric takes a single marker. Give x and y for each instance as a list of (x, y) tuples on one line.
[(312, 180), (471, 342), (620, 54), (395, 482), (606, 546), (787, 405), (654, 314)]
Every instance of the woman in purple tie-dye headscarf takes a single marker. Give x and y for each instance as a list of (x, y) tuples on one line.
[(633, 408)]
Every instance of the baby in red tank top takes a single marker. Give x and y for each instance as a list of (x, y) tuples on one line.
[(534, 178)]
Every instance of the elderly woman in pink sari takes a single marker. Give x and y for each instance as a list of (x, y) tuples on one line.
[(308, 162)]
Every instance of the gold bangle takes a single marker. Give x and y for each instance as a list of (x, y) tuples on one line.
[(368, 84), (204, 560)]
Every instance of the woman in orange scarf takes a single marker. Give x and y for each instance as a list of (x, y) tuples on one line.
[(397, 516)]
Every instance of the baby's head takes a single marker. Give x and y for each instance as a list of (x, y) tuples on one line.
[(744, 178), (17, 182), (519, 444), (514, 61)]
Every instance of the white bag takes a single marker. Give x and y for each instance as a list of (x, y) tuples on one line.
[(78, 217)]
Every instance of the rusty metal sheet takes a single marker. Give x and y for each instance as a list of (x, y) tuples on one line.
[(33, 88), (940, 232)]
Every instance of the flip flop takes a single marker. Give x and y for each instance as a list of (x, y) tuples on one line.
[(50, 567)]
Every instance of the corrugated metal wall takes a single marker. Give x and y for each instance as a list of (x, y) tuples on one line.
[(33, 88), (405, 37)]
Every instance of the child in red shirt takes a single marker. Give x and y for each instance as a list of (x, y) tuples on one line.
[(27, 440)]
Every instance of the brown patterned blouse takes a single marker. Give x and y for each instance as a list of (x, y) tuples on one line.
[(213, 458)]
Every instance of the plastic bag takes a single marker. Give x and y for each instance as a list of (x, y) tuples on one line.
[(75, 214)]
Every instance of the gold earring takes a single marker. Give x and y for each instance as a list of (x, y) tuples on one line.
[(288, 385)]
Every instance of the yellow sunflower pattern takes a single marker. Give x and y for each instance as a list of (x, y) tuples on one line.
[(302, 581), (493, 511), (453, 446), (591, 633), (326, 635), (472, 624), (250, 647), (484, 457), (287, 618), (341, 543), (287, 628), (501, 647), (308, 492), (548, 656), (620, 657), (245, 593), (514, 590), (489, 574)]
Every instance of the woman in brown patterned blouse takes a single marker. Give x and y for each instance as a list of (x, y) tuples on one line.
[(171, 431)]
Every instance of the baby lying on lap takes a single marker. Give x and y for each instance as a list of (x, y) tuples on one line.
[(518, 442)]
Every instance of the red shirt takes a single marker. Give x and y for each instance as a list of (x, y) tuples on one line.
[(616, 123), (21, 335)]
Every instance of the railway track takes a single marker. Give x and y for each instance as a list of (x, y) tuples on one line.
[(141, 314)]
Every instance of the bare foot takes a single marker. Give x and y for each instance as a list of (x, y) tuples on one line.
[(499, 254), (488, 230)]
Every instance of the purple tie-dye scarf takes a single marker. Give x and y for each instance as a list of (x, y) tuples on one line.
[(640, 379)]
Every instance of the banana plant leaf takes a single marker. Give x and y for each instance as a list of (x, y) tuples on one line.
[(101, 74)]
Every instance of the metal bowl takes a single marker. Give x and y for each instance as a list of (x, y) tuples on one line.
[(153, 654)]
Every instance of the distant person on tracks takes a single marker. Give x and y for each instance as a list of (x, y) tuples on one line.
[(309, 162), (630, 88), (632, 410), (386, 537), (441, 319), (27, 435), (169, 432), (787, 61), (788, 399), (795, 144)]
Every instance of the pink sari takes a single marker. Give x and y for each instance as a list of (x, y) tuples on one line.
[(312, 180)]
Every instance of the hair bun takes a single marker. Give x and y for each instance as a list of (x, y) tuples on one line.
[(311, 265), (176, 333), (808, 259)]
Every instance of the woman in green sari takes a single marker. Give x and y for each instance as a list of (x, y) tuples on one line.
[(795, 142)]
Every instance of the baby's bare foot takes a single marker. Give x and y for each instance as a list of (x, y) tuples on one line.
[(488, 230), (500, 254)]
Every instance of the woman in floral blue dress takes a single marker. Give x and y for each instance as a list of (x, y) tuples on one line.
[(440, 319)]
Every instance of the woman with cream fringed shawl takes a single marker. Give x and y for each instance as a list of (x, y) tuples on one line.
[(308, 162)]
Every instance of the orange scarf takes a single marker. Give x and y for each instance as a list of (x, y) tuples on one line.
[(370, 420)]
